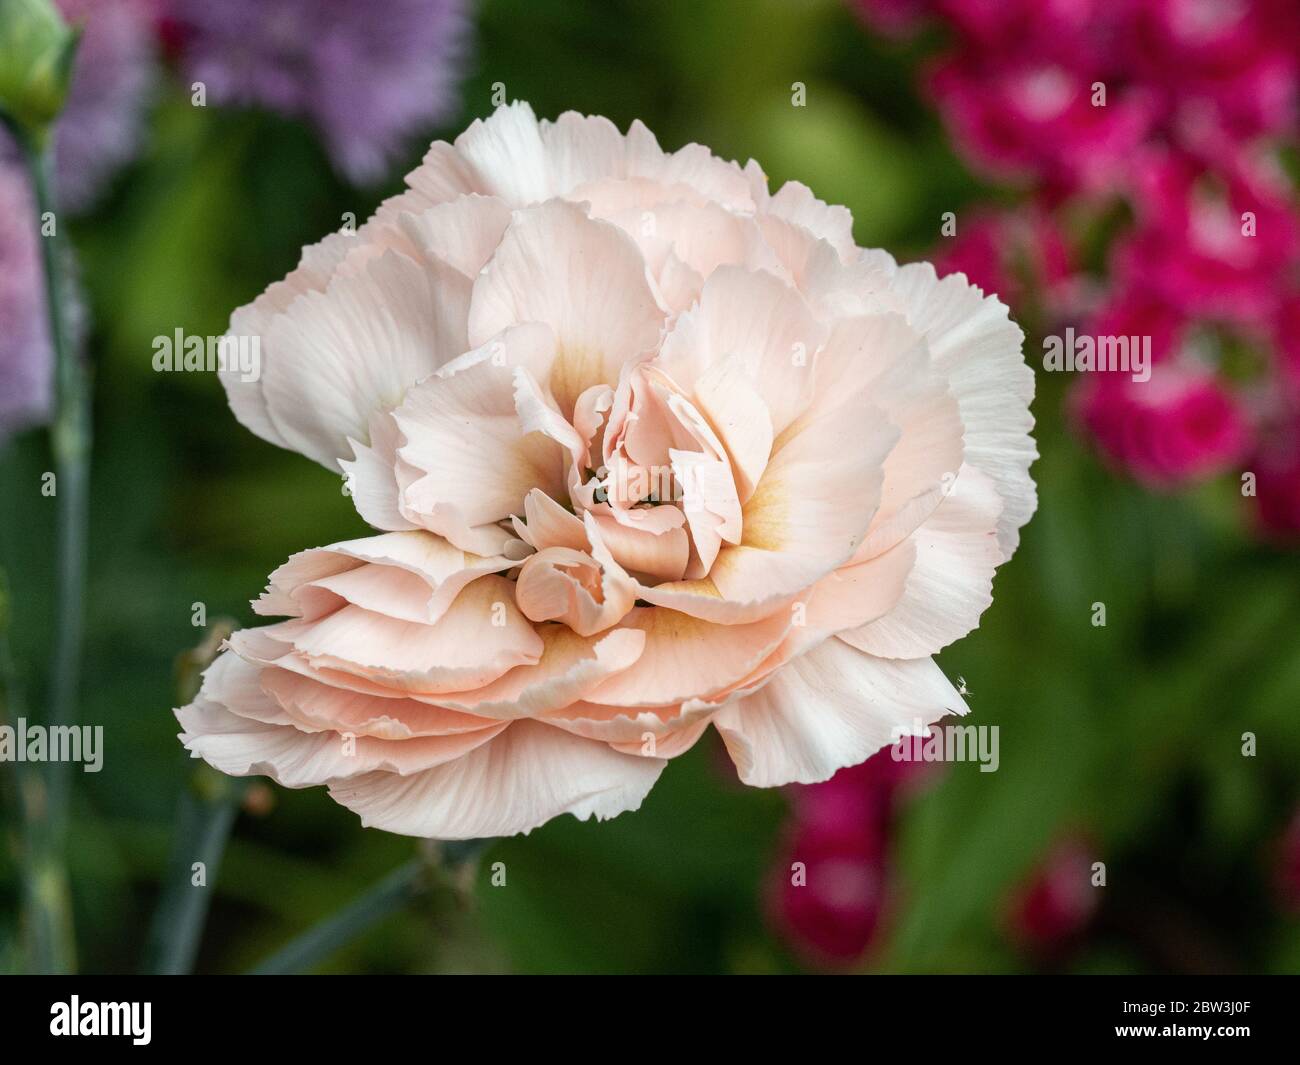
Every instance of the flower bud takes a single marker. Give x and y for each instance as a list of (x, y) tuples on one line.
[(36, 50)]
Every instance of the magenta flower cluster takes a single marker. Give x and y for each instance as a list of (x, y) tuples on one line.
[(1160, 124)]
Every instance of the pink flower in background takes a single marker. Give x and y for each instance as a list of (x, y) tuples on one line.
[(991, 24), (1136, 311), (829, 909), (1179, 426), (1198, 96), (828, 894), (851, 810), (1276, 465), (1214, 244), (1031, 24), (982, 251), (1226, 69), (829, 905), (1287, 868), (1285, 335), (26, 362), (633, 478), (894, 18), (1013, 254), (1057, 900), (1028, 118)]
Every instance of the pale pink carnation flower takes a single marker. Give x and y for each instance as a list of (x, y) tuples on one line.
[(651, 449)]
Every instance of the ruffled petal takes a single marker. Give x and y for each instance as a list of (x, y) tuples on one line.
[(582, 277), (835, 706), (978, 349), (240, 729), (241, 747), (685, 657), (411, 576), (764, 323), (570, 668), (520, 780), (950, 583), (334, 358), (882, 361), (465, 437), (479, 638)]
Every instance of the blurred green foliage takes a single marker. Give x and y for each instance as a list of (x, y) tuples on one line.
[(1130, 732)]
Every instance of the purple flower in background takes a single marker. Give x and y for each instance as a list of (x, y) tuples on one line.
[(102, 124), (99, 130), (25, 359), (368, 75)]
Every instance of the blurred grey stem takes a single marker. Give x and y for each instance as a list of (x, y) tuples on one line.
[(386, 897), (205, 814), (204, 817), (45, 899), (49, 904)]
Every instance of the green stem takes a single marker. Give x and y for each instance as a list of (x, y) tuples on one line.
[(45, 891), (70, 435), (70, 442), (204, 819), (321, 940), (386, 897)]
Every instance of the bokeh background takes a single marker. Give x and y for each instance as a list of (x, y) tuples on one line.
[(1120, 743)]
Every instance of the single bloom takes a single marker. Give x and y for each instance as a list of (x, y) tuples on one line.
[(649, 449), (368, 79)]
